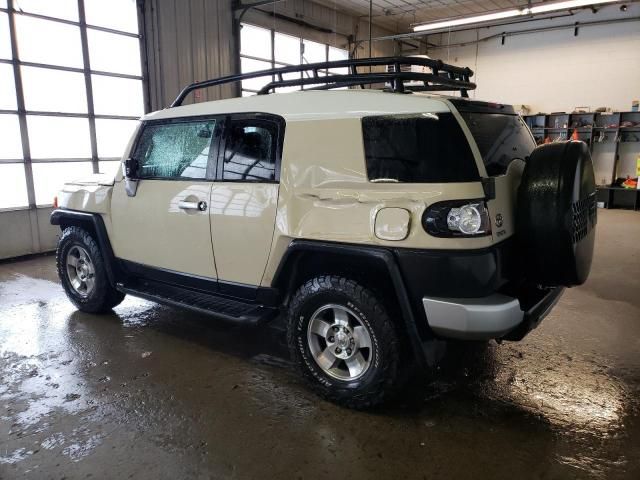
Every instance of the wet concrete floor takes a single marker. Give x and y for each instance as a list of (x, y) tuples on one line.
[(157, 392)]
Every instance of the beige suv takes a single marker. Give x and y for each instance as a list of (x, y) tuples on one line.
[(377, 222)]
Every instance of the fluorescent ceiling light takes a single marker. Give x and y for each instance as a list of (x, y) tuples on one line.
[(554, 7), (467, 20), (542, 8)]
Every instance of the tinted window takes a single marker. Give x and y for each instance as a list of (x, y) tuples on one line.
[(500, 139), (417, 148), (175, 150), (250, 151)]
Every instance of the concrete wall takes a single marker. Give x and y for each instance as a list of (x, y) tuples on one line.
[(27, 231), (554, 70)]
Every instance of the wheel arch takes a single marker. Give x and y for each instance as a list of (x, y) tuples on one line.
[(374, 267), (94, 224)]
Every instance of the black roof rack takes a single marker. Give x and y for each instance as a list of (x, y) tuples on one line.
[(443, 77)]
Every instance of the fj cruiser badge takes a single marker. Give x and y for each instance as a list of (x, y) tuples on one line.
[(499, 220)]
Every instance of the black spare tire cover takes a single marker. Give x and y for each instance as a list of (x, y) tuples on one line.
[(556, 214)]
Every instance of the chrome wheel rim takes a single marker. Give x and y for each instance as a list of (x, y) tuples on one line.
[(340, 343), (80, 271)]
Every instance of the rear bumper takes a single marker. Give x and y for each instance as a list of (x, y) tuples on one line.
[(493, 316)]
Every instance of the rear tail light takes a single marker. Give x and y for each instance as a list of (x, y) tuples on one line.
[(457, 218)]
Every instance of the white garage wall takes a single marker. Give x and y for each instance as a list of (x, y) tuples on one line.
[(554, 70)]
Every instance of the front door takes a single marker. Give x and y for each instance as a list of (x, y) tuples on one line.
[(244, 200), (166, 223)]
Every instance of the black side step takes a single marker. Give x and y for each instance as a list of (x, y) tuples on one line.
[(207, 303)]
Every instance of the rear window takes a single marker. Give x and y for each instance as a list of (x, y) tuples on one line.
[(417, 148), (500, 139)]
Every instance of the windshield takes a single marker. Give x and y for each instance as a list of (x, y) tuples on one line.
[(500, 139), (417, 148)]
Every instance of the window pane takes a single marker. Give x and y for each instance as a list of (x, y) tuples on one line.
[(48, 178), (58, 137), (248, 65), (338, 54), (179, 150), (5, 40), (11, 144), (117, 96), (109, 168), (113, 136), (501, 139), (427, 148), (7, 88), (67, 9), (314, 52), (109, 52), (287, 49), (48, 42), (255, 41), (250, 153), (13, 186), (117, 14), (70, 90)]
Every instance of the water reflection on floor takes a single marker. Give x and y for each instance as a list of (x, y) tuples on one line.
[(157, 392)]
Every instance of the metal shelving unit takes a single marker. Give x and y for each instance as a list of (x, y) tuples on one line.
[(619, 128)]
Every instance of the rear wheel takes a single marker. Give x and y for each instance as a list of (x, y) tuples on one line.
[(83, 273), (344, 342)]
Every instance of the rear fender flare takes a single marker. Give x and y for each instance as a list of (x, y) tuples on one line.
[(285, 276)]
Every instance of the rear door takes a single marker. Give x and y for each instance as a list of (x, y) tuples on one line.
[(505, 143), (244, 199), (165, 225)]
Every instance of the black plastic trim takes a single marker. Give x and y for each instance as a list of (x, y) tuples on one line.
[(249, 293), (64, 217), (536, 309), (475, 106)]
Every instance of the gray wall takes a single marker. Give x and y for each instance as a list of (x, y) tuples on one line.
[(187, 41), (26, 231)]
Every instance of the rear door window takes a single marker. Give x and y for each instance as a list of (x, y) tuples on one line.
[(417, 148), (250, 151), (501, 139)]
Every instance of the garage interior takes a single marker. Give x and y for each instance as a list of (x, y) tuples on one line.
[(152, 391)]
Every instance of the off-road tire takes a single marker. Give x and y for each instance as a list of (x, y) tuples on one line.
[(383, 378), (103, 296)]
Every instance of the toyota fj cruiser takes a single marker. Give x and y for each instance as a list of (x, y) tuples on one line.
[(378, 222)]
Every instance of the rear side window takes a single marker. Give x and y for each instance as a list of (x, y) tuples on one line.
[(500, 139), (250, 151), (175, 150), (417, 148)]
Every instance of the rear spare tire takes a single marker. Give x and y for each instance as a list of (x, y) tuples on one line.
[(556, 214)]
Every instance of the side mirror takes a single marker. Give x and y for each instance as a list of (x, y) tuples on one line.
[(131, 168), (131, 176)]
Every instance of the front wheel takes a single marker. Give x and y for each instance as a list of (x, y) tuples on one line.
[(83, 274), (344, 342)]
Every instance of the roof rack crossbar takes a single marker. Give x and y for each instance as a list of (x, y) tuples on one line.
[(443, 77)]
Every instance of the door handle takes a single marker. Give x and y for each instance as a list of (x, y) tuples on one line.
[(184, 205)]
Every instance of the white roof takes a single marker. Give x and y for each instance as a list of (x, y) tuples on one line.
[(314, 105)]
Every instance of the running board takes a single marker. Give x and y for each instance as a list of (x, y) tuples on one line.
[(210, 304)]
